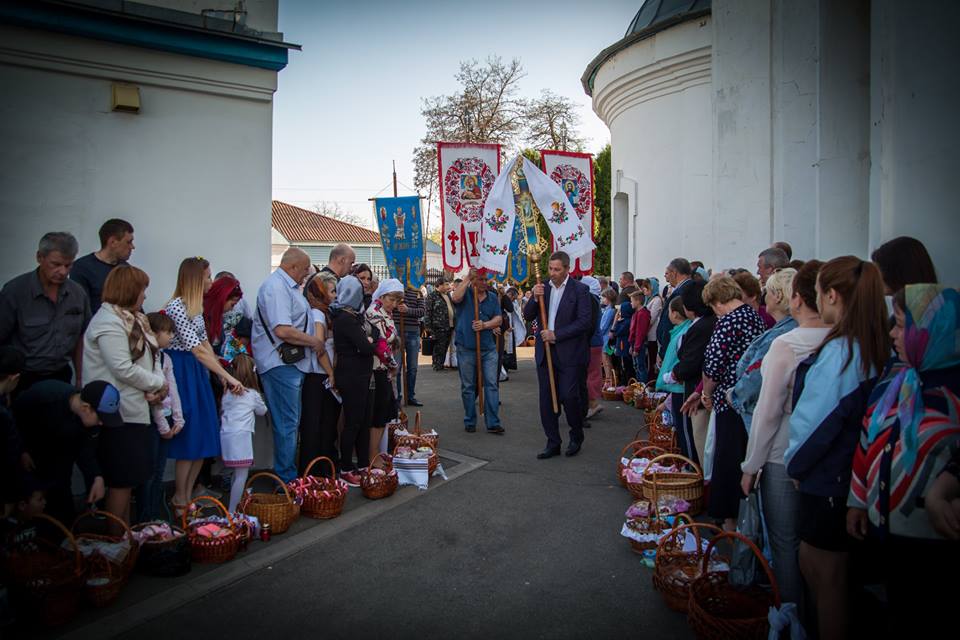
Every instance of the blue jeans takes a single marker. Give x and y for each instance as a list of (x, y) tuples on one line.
[(640, 366), (151, 504), (467, 360), (281, 388), (411, 342)]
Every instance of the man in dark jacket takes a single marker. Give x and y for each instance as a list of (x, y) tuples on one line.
[(567, 334), (677, 274), (439, 321)]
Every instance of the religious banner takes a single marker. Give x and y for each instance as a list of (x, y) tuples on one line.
[(401, 236), (467, 173), (520, 193), (574, 173), (569, 233)]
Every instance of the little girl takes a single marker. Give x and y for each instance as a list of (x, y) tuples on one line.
[(237, 424)]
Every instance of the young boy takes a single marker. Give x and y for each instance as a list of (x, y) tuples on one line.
[(167, 417), (639, 327)]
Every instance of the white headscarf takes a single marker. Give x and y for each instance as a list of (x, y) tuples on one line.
[(390, 285)]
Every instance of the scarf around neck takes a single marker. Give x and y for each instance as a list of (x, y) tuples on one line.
[(139, 334)]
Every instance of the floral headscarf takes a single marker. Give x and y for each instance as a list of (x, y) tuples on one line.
[(932, 341)]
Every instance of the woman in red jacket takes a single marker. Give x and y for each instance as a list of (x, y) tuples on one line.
[(639, 327)]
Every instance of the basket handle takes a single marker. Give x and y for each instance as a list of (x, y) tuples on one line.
[(208, 499), (693, 527), (267, 474), (673, 456), (127, 531), (333, 467), (631, 382), (416, 425), (642, 444), (77, 557), (734, 535), (386, 459)]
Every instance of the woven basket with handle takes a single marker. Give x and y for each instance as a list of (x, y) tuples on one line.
[(687, 483), (675, 569), (278, 511), (105, 577), (210, 550), (379, 486), (718, 610), (325, 497)]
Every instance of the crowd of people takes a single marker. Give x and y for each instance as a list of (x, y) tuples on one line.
[(831, 388)]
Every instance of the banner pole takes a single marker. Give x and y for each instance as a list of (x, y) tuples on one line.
[(403, 346), (476, 317), (535, 259)]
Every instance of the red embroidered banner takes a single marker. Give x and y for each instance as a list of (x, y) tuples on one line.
[(467, 173), (574, 173)]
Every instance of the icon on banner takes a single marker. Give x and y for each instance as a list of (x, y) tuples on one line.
[(471, 187), (398, 219)]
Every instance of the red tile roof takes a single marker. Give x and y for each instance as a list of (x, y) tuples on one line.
[(301, 225)]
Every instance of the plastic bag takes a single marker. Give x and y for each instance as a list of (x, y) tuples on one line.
[(744, 565)]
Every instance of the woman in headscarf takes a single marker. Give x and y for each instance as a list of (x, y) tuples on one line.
[(385, 299), (910, 433), (353, 343)]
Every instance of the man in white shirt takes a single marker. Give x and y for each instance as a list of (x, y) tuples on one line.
[(568, 330)]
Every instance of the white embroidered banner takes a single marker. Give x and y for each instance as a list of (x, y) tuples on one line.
[(499, 216), (467, 173), (568, 231), (574, 173)]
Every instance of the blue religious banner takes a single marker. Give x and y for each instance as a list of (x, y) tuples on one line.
[(401, 236)]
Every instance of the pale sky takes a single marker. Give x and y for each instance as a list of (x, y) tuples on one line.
[(349, 103)]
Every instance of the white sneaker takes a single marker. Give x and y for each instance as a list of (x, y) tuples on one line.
[(592, 412)]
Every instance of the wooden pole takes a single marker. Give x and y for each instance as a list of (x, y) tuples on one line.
[(476, 316), (403, 347), (546, 345)]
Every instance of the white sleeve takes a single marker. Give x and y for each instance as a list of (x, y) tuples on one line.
[(777, 369), (259, 407)]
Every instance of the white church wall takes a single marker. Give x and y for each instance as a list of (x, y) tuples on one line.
[(914, 138), (655, 97)]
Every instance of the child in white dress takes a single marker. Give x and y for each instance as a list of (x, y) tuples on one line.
[(237, 421)]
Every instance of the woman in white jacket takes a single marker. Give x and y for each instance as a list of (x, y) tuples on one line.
[(120, 348)]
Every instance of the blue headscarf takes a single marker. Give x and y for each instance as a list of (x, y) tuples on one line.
[(349, 295), (931, 337), (654, 286)]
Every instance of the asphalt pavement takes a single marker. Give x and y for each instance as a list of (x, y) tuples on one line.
[(514, 548)]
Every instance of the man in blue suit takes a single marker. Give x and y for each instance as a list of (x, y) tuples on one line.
[(569, 325)]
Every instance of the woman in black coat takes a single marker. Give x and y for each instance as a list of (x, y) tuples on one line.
[(689, 367), (353, 342)]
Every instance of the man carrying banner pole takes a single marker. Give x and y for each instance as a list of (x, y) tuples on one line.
[(476, 351)]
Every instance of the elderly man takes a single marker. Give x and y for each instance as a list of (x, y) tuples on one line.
[(628, 285), (284, 344), (769, 261), (678, 274), (43, 314), (91, 271), (465, 337), (567, 334), (340, 261)]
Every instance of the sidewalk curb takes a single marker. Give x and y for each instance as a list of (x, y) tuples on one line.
[(165, 601)]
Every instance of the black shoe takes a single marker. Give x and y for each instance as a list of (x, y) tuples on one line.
[(499, 431), (549, 452), (572, 449), (414, 403), (586, 425), (470, 429)]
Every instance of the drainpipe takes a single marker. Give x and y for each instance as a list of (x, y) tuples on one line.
[(631, 221)]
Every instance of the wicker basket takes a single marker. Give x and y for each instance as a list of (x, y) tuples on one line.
[(376, 486), (661, 434), (329, 497), (416, 439), (675, 569), (635, 448), (47, 576), (718, 610), (278, 511), (652, 524), (211, 550), (687, 485), (612, 395), (163, 558), (104, 577), (631, 390)]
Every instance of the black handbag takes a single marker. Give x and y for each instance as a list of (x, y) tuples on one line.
[(289, 353), (426, 345)]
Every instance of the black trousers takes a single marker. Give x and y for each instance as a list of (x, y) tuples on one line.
[(319, 413), (441, 340), (568, 395), (683, 427), (729, 448), (357, 413), (626, 365)]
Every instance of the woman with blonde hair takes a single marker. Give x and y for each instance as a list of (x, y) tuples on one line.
[(120, 348), (193, 360)]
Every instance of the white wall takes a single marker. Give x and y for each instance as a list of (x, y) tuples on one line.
[(655, 97), (191, 171), (915, 135)]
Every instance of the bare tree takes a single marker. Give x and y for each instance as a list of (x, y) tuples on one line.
[(552, 123), (486, 109), (335, 211)]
